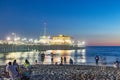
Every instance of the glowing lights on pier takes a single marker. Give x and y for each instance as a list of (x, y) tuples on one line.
[(61, 40), (80, 43), (44, 40), (24, 39), (13, 38), (8, 38)]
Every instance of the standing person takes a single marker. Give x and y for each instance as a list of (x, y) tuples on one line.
[(64, 60), (42, 57), (71, 61), (61, 60), (61, 63), (52, 54), (52, 58), (96, 59), (12, 71)]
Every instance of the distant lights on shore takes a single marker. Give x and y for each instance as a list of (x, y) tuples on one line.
[(60, 40), (31, 40), (81, 43), (24, 39), (17, 39), (8, 38)]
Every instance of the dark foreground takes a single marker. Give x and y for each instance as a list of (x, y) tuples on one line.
[(74, 72)]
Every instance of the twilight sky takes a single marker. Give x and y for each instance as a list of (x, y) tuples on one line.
[(95, 21)]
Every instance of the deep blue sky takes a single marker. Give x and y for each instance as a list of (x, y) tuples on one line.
[(95, 21)]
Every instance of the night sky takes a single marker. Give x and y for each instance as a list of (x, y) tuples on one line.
[(95, 21)]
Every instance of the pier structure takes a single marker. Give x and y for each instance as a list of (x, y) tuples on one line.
[(30, 47)]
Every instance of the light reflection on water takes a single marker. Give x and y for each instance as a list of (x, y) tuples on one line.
[(78, 56)]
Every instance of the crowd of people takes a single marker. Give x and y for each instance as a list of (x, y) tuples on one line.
[(63, 59), (14, 71)]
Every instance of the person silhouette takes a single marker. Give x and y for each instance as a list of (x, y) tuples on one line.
[(96, 59), (61, 60), (64, 60), (42, 57), (71, 61), (52, 55)]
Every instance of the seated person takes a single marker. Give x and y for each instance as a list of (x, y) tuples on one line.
[(11, 71), (26, 70)]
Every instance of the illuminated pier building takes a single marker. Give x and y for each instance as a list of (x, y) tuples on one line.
[(61, 40), (44, 40)]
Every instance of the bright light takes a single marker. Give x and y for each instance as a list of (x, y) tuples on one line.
[(18, 38), (31, 40), (83, 43), (83, 51), (24, 39), (15, 39), (8, 38), (35, 41)]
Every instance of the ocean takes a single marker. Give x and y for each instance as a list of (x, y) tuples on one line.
[(111, 53), (80, 57)]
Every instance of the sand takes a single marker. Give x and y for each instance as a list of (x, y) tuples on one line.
[(73, 72)]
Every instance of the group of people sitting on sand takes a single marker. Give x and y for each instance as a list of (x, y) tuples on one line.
[(14, 71)]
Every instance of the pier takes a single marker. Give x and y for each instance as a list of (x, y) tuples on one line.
[(15, 48)]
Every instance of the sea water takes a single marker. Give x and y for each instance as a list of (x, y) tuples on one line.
[(80, 57)]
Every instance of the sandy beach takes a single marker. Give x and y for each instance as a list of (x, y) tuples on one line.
[(74, 72)]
